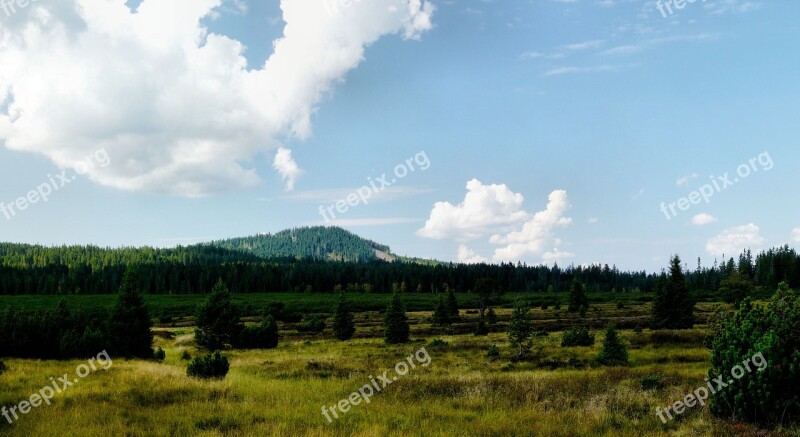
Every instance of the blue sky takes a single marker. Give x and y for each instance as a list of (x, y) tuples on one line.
[(574, 120)]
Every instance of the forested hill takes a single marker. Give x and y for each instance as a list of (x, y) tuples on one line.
[(321, 243)]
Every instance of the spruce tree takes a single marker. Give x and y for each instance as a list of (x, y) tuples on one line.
[(578, 301), (130, 323), (452, 304), (614, 352), (441, 316), (343, 324), (395, 323), (520, 330), (217, 320), (673, 304)]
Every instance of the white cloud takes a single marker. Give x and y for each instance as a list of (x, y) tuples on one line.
[(684, 181), (484, 209), (285, 165), (703, 219), (537, 233), (594, 220), (796, 235), (176, 107), (497, 211), (556, 255), (733, 241), (468, 256)]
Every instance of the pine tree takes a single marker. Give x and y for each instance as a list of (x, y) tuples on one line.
[(491, 317), (614, 352), (395, 323), (217, 320), (343, 324), (520, 330), (452, 304), (130, 323), (578, 301), (673, 305), (441, 316)]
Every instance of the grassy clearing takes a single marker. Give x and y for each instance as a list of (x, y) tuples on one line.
[(462, 392)]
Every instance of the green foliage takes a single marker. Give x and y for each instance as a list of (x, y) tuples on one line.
[(485, 288), (344, 326), (614, 351), (278, 311), (159, 354), (313, 324), (493, 351), (769, 393), (217, 320), (211, 366), (395, 323), (452, 304), (491, 317), (578, 300), (129, 326), (186, 356), (735, 288), (438, 343), (520, 330), (3, 367), (673, 305), (323, 243), (481, 329), (652, 382), (261, 336), (578, 336), (441, 316)]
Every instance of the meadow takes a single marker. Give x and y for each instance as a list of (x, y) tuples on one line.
[(462, 392)]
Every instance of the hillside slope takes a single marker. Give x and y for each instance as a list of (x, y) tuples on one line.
[(324, 243)]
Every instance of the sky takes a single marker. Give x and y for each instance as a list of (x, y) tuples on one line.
[(570, 131)]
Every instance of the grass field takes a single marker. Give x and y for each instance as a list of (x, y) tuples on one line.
[(462, 392)]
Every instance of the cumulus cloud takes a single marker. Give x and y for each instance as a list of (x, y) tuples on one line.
[(176, 106), (468, 256), (285, 165), (703, 219), (536, 233), (484, 208), (735, 240), (496, 211)]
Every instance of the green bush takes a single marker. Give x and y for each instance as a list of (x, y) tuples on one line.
[(185, 356), (767, 338), (3, 367), (313, 324), (263, 336), (211, 366), (438, 343), (652, 382), (614, 352), (577, 337), (159, 354), (493, 351)]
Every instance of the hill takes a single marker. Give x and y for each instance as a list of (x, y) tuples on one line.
[(321, 243)]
